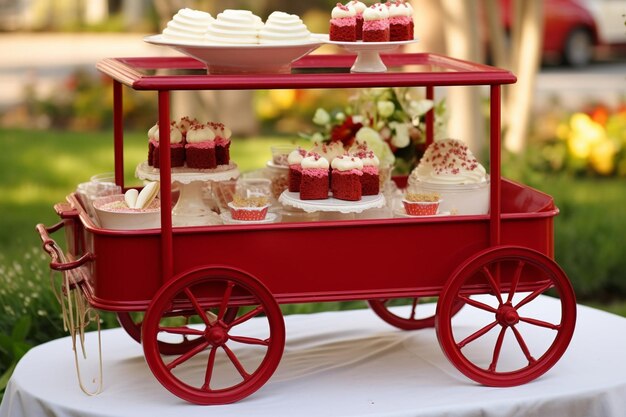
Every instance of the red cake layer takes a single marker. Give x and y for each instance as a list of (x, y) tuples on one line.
[(378, 35), (201, 157), (177, 155), (345, 33), (314, 184), (222, 152), (295, 178), (346, 185), (370, 184), (400, 32), (359, 27)]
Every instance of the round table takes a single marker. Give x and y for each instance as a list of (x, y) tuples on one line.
[(346, 363)]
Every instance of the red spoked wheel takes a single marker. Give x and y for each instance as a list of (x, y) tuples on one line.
[(131, 322), (511, 340), (232, 357), (411, 319)]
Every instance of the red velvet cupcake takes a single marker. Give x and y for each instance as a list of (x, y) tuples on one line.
[(343, 24), (177, 148), (314, 184), (295, 169), (376, 24), (370, 180), (346, 178), (200, 147), (400, 21), (359, 8), (222, 142)]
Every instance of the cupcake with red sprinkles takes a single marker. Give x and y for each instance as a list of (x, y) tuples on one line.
[(343, 23), (222, 142), (294, 159), (376, 23), (315, 178), (400, 21), (359, 8), (346, 178)]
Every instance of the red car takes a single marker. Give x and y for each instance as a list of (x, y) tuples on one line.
[(573, 28)]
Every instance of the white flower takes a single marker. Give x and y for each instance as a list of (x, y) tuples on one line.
[(341, 116), (385, 108), (377, 144), (401, 137), (321, 117), (420, 107), (317, 137)]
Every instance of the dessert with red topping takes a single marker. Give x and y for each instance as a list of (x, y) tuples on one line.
[(222, 142), (449, 161), (177, 147), (376, 24), (295, 169), (400, 20), (359, 8), (343, 24), (200, 147), (185, 123), (314, 184), (370, 180), (346, 178)]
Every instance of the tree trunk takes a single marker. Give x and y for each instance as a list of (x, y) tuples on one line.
[(527, 43), (463, 42)]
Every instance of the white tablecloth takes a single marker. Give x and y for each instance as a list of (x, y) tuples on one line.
[(337, 364)]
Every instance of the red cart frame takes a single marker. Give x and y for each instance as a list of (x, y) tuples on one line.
[(225, 275)]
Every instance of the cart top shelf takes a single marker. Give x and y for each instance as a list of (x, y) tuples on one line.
[(312, 71)]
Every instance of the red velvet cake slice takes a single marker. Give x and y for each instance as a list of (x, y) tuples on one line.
[(370, 180), (342, 24), (200, 147), (222, 142), (346, 178), (177, 148), (359, 8), (400, 21), (376, 24), (295, 169), (314, 184)]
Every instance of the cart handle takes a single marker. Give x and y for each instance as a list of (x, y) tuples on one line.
[(55, 252)]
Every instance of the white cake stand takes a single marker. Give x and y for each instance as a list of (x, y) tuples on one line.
[(292, 199), (191, 209), (368, 53)]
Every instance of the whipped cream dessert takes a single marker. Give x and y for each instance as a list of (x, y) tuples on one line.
[(284, 28), (296, 156), (234, 27), (188, 25), (347, 163), (200, 133), (344, 12), (449, 161), (315, 161)]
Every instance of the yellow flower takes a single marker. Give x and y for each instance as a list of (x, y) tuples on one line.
[(602, 157), (584, 135)]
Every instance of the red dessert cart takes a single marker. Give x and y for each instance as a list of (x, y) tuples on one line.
[(198, 287)]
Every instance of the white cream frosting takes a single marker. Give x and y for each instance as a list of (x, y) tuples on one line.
[(220, 130), (234, 27), (152, 133), (449, 161), (399, 10), (188, 25), (295, 157), (314, 160), (358, 6), (376, 12), (200, 133), (369, 159), (347, 163), (284, 28), (329, 150), (340, 11), (175, 135)]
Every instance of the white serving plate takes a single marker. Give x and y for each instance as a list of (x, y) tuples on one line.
[(292, 199), (242, 59)]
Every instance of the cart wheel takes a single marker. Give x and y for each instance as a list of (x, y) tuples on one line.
[(131, 322), (236, 359), (509, 281), (410, 321)]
